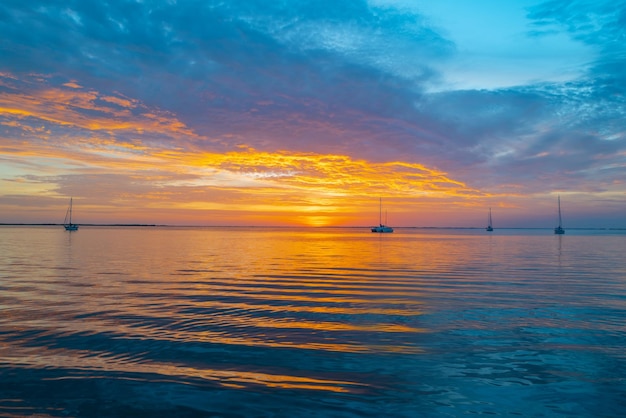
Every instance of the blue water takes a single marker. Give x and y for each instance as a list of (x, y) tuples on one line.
[(261, 322)]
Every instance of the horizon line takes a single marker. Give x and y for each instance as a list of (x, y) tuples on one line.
[(288, 226)]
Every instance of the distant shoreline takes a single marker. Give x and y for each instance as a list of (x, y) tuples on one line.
[(53, 224)]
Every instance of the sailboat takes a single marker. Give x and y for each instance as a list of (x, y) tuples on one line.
[(67, 222), (381, 227), (559, 229), (489, 223)]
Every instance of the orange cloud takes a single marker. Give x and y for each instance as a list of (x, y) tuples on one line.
[(72, 106), (241, 186), (336, 175)]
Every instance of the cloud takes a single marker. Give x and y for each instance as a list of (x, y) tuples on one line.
[(82, 108), (331, 97)]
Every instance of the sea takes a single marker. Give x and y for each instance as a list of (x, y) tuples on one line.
[(311, 322)]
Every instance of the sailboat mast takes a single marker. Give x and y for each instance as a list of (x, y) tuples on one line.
[(67, 222), (559, 229), (380, 211)]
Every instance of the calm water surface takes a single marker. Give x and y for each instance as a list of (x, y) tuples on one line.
[(235, 322)]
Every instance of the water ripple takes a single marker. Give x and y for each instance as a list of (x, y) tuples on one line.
[(333, 323)]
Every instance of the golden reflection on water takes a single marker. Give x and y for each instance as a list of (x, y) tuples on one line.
[(88, 361), (236, 288), (81, 301)]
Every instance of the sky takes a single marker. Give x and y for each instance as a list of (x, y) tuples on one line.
[(307, 113)]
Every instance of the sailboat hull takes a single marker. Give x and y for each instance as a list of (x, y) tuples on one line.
[(71, 227), (382, 229)]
